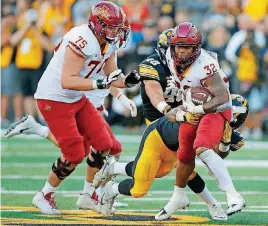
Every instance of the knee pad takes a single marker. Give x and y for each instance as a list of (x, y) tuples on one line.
[(98, 160), (61, 168)]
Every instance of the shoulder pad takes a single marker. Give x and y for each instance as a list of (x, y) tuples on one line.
[(82, 41)]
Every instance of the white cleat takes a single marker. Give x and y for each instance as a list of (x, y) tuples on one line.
[(86, 202), (27, 125), (181, 202), (217, 213), (46, 203), (235, 203), (107, 199), (105, 172)]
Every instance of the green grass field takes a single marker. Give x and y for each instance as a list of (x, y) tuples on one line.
[(26, 162)]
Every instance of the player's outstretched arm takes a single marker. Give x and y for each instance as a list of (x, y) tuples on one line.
[(122, 81), (217, 88), (154, 91)]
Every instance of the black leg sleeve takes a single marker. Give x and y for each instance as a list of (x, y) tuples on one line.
[(197, 184)]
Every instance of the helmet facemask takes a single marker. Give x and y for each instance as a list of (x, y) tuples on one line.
[(186, 61)]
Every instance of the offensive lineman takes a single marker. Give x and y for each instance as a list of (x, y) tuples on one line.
[(71, 118)]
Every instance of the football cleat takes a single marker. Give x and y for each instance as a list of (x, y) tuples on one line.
[(46, 203), (105, 172), (27, 125), (235, 203), (181, 202), (217, 213), (87, 202), (107, 199)]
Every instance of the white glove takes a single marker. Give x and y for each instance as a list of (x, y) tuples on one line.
[(190, 106), (107, 81), (171, 84), (129, 104)]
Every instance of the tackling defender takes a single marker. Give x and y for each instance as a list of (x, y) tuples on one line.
[(156, 158)]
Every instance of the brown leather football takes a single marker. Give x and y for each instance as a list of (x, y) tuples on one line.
[(200, 95)]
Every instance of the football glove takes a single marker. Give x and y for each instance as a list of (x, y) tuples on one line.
[(132, 79), (237, 141), (171, 84), (107, 81), (183, 116), (129, 104), (227, 134), (190, 106)]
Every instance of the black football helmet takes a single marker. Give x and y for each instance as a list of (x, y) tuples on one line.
[(240, 111), (163, 42)]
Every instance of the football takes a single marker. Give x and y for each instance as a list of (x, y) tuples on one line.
[(200, 95)]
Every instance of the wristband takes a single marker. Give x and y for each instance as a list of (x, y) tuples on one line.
[(161, 106), (94, 84)]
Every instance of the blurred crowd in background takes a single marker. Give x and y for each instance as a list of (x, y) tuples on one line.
[(237, 30)]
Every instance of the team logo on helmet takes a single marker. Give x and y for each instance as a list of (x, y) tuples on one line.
[(163, 39), (103, 11)]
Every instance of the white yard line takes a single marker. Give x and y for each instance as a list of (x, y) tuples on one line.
[(235, 178), (228, 163), (69, 193), (137, 139), (155, 211)]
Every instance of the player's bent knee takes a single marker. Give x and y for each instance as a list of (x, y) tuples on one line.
[(186, 157), (117, 147), (140, 188), (200, 150), (62, 169), (73, 149), (102, 143)]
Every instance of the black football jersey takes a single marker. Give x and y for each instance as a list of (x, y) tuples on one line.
[(152, 68)]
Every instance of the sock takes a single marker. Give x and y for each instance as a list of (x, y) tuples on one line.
[(42, 131), (207, 197), (216, 164), (48, 188), (115, 188), (88, 188), (176, 193), (119, 168)]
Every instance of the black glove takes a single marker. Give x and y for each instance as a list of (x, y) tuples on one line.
[(237, 141), (132, 79)]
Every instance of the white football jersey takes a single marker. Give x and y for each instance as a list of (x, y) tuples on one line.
[(83, 42), (198, 73)]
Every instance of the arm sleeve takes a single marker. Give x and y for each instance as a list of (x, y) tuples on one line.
[(233, 45)]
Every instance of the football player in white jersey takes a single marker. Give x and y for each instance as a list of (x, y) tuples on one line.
[(193, 66), (76, 124)]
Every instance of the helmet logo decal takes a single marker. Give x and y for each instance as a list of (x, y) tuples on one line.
[(163, 39), (103, 11)]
